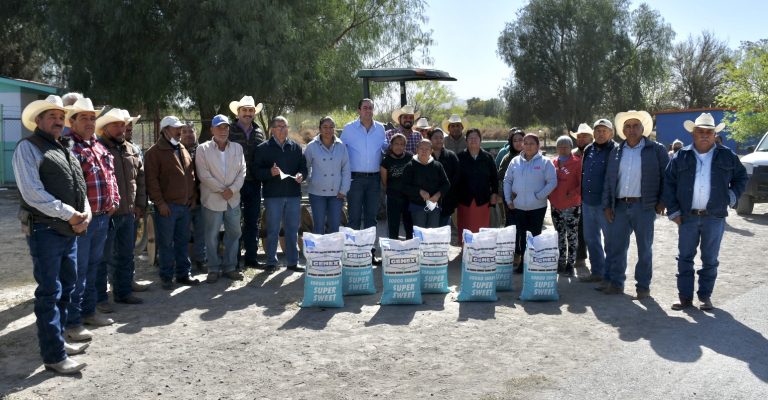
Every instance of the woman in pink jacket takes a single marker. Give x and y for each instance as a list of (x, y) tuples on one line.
[(566, 204)]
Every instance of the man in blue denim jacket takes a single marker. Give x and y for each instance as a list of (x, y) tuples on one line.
[(634, 181), (701, 181)]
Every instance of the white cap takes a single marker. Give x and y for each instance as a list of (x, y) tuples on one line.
[(171, 121)]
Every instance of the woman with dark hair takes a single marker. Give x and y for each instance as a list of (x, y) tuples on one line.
[(329, 177), (530, 178), (391, 171), (515, 147), (478, 185), (450, 163), (425, 182)]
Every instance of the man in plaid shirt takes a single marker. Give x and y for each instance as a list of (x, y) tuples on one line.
[(103, 196)]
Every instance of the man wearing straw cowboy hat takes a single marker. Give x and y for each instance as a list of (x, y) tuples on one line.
[(632, 198), (404, 117), (423, 127), (54, 210), (702, 180), (129, 171), (584, 136), (170, 180), (103, 196), (455, 141), (247, 133)]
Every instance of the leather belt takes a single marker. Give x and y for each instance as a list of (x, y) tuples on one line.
[(364, 174), (98, 213), (628, 199), (699, 213)]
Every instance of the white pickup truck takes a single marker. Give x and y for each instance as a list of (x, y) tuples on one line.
[(756, 164)]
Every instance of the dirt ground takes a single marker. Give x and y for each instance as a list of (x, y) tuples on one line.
[(251, 340)]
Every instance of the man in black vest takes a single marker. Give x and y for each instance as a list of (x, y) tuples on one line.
[(247, 133), (54, 211)]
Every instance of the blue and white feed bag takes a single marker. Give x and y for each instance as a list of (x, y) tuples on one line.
[(322, 282), (505, 256), (540, 270), (357, 270), (433, 258), (400, 271), (478, 267)]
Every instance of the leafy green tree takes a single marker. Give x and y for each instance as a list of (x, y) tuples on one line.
[(487, 108), (22, 51), (149, 54), (746, 90), (576, 59), (432, 99)]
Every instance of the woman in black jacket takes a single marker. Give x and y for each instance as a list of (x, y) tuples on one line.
[(450, 163), (424, 182), (392, 168), (478, 185)]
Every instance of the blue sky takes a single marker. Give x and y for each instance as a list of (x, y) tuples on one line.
[(466, 33)]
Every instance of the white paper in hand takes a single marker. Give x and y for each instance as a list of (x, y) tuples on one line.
[(283, 175)]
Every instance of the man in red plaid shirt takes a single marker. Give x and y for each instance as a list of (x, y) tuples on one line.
[(103, 196)]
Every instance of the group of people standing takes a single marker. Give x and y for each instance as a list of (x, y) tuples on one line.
[(83, 190)]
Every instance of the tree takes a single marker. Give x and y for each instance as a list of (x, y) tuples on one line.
[(432, 99), (575, 59), (487, 108), (746, 90), (22, 52), (152, 53), (697, 70)]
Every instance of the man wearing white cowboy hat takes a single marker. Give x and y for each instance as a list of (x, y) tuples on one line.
[(129, 124), (596, 227), (404, 117), (702, 180), (170, 180), (54, 210), (103, 196), (118, 249), (247, 133), (455, 141), (584, 136), (423, 127), (632, 198)]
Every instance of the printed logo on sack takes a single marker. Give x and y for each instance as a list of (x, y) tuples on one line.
[(324, 268), (401, 265), (309, 244), (435, 254)]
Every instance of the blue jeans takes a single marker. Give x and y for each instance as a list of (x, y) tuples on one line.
[(213, 221), (90, 248), (695, 230), (117, 262), (423, 218), (250, 203), (363, 201), (631, 218), (326, 213), (593, 218), (286, 210), (54, 265), (198, 235), (172, 233)]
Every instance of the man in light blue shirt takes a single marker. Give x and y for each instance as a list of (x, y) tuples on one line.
[(701, 181), (363, 138), (634, 180)]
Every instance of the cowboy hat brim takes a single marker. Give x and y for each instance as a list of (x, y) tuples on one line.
[(109, 118), (447, 122), (690, 126), (35, 108), (645, 119), (397, 113), (235, 105), (70, 111)]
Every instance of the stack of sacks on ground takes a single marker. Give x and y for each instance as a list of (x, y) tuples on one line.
[(478, 267), (433, 258), (357, 270), (400, 271), (322, 282), (505, 256), (540, 267)]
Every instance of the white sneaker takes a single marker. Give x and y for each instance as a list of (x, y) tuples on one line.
[(73, 349), (67, 366), (78, 334), (98, 320)]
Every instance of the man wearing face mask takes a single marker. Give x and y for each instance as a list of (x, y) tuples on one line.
[(404, 117), (170, 181)]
